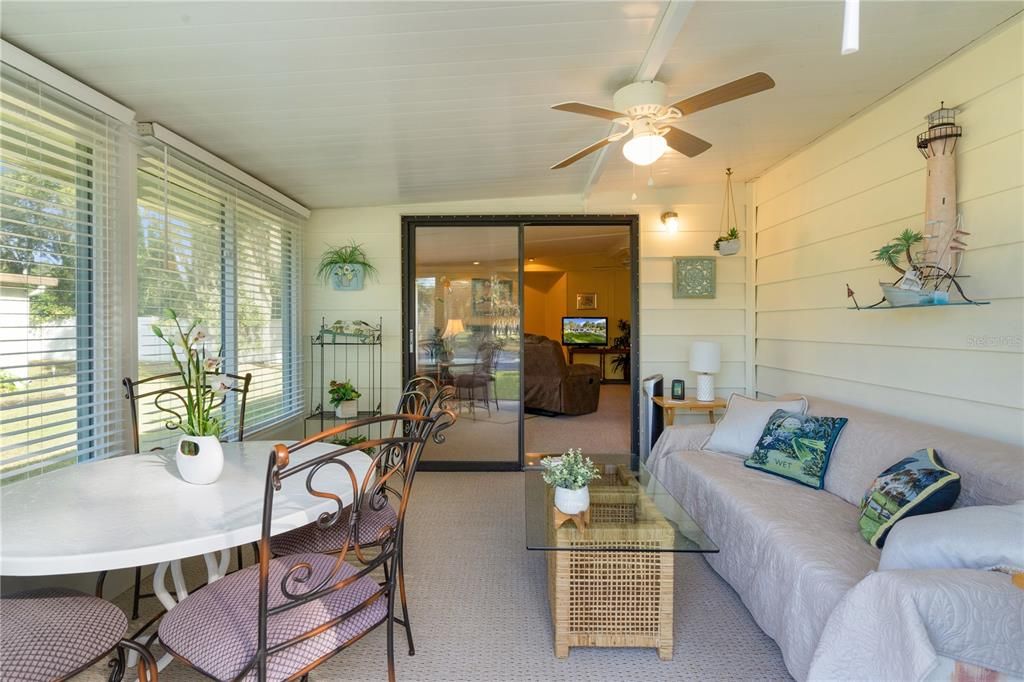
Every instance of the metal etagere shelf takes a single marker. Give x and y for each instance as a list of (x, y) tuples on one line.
[(340, 354)]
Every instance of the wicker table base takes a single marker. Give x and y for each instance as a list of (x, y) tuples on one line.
[(607, 598)]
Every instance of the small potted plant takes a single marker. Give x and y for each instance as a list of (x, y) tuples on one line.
[(570, 475), (349, 441), (200, 458), (345, 267), (729, 243), (345, 399)]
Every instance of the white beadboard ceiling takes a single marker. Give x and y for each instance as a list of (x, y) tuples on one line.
[(363, 103)]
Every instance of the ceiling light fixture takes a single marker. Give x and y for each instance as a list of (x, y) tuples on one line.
[(645, 148), (476, 262), (851, 27), (670, 220)]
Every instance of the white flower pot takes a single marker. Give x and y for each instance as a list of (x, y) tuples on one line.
[(347, 409), (729, 248), (572, 501), (206, 465)]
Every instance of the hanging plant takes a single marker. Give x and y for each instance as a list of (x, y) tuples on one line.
[(345, 267), (728, 242)]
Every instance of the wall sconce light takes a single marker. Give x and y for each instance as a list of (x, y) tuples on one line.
[(670, 220)]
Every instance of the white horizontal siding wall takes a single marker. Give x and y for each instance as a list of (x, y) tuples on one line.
[(822, 212)]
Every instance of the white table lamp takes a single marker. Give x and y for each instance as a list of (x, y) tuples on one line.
[(706, 360)]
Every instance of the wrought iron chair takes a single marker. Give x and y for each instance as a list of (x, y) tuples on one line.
[(422, 396), (480, 377), (55, 633), (168, 401), (286, 616)]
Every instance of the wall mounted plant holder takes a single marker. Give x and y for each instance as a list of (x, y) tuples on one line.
[(345, 267), (348, 277)]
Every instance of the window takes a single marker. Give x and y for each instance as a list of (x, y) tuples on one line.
[(213, 250), (59, 283)]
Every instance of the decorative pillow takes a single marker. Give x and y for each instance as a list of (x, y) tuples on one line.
[(737, 432), (918, 484), (984, 538), (796, 446)]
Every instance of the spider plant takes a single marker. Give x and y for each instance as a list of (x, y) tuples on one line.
[(353, 254)]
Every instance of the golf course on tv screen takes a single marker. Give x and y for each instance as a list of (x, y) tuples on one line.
[(585, 331)]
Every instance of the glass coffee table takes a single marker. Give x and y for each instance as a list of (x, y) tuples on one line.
[(610, 584)]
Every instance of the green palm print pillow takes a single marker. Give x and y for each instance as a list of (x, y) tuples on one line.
[(796, 446)]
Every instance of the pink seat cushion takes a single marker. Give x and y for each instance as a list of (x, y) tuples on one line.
[(215, 629), (52, 633), (311, 538)]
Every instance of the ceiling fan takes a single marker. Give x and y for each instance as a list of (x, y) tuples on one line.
[(649, 119)]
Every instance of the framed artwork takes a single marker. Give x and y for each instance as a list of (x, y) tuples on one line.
[(586, 301), (490, 294), (693, 277)]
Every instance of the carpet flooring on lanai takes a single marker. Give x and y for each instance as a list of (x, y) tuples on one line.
[(479, 609)]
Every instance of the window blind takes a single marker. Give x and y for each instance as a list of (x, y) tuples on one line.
[(60, 339), (213, 250)]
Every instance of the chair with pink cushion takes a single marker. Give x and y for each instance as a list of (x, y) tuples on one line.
[(55, 633), (286, 616)]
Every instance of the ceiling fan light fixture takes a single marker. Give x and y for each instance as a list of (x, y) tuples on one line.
[(645, 148), (851, 27)]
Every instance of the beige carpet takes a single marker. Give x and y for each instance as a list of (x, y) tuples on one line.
[(604, 431), (479, 606)]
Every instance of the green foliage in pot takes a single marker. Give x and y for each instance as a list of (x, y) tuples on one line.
[(342, 391), (571, 471), (620, 363), (729, 236), (355, 439), (353, 254)]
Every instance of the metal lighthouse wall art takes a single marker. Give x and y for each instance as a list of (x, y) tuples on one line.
[(928, 263)]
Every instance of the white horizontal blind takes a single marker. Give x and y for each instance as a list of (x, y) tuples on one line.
[(59, 281), (214, 251)]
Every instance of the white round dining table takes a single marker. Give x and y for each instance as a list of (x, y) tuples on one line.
[(136, 510)]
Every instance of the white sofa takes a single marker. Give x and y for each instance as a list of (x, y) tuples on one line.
[(792, 552)]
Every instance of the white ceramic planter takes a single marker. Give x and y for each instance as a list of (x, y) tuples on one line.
[(347, 409), (206, 465), (572, 501), (729, 248)]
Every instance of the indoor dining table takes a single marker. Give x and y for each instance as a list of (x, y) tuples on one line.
[(136, 510)]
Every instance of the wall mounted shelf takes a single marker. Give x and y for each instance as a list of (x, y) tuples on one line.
[(920, 305)]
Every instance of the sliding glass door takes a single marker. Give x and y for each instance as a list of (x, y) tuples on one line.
[(464, 311)]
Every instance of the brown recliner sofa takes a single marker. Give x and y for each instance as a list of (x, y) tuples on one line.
[(551, 385)]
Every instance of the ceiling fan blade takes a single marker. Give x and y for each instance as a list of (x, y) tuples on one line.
[(588, 110), (581, 153), (741, 87), (685, 143)]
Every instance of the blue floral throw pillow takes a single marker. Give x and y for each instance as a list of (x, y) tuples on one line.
[(796, 446), (918, 484)]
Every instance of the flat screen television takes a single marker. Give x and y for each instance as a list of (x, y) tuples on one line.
[(585, 331)]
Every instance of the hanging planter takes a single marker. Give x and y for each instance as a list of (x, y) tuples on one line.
[(345, 267), (728, 242)]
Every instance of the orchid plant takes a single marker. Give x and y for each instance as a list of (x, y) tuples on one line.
[(200, 374)]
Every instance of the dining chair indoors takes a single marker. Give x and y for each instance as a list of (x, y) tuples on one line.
[(55, 633), (285, 616), (164, 393), (422, 396)]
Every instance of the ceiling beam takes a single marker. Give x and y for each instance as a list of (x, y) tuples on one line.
[(672, 20)]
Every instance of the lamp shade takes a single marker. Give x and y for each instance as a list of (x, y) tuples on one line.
[(453, 327), (705, 356)]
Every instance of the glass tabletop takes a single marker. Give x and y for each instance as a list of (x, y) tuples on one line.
[(629, 512)]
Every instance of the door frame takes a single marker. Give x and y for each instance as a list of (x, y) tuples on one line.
[(409, 225)]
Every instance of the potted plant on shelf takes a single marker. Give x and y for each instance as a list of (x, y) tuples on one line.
[(621, 363), (348, 441), (345, 267), (729, 243), (199, 457), (570, 475), (345, 399)]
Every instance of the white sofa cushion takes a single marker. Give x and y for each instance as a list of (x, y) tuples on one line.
[(990, 472), (790, 552), (984, 538), (738, 431)]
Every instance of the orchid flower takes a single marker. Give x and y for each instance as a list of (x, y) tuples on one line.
[(221, 383)]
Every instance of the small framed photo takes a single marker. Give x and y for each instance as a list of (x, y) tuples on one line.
[(586, 301)]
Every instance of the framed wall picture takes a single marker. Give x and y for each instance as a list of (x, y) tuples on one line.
[(489, 294), (586, 301), (693, 277)]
